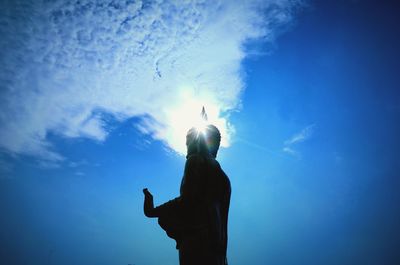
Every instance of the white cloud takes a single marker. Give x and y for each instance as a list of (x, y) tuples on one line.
[(64, 63), (290, 151), (299, 137), (303, 135)]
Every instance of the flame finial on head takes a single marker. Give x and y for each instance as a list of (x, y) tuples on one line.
[(204, 114), (201, 123)]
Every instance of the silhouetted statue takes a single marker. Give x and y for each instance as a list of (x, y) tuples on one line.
[(198, 218)]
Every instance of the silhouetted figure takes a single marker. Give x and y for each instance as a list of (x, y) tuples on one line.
[(198, 218)]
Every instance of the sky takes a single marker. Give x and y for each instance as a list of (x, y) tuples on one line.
[(96, 98)]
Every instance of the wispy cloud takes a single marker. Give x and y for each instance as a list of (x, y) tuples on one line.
[(291, 151), (64, 63), (80, 173), (301, 136), (76, 164), (297, 138)]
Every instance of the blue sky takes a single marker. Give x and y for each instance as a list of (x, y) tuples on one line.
[(308, 94)]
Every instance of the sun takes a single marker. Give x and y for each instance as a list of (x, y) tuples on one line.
[(186, 114)]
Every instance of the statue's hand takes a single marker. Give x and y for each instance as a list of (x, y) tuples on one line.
[(147, 194), (148, 206)]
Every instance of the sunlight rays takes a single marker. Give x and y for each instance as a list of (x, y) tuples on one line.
[(185, 113)]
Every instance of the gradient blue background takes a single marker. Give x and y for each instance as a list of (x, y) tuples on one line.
[(336, 68)]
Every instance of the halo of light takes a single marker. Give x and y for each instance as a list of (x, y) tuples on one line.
[(184, 114)]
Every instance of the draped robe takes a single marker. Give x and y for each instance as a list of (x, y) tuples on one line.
[(198, 218)]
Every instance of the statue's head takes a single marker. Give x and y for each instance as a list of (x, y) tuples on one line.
[(206, 141)]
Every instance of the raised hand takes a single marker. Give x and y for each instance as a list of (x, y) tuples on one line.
[(148, 206)]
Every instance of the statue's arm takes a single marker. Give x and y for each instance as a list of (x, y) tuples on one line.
[(189, 190)]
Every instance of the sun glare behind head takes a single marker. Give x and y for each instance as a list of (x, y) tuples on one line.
[(201, 128), (187, 113)]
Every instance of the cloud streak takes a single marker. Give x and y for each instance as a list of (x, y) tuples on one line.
[(297, 138), (65, 64)]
